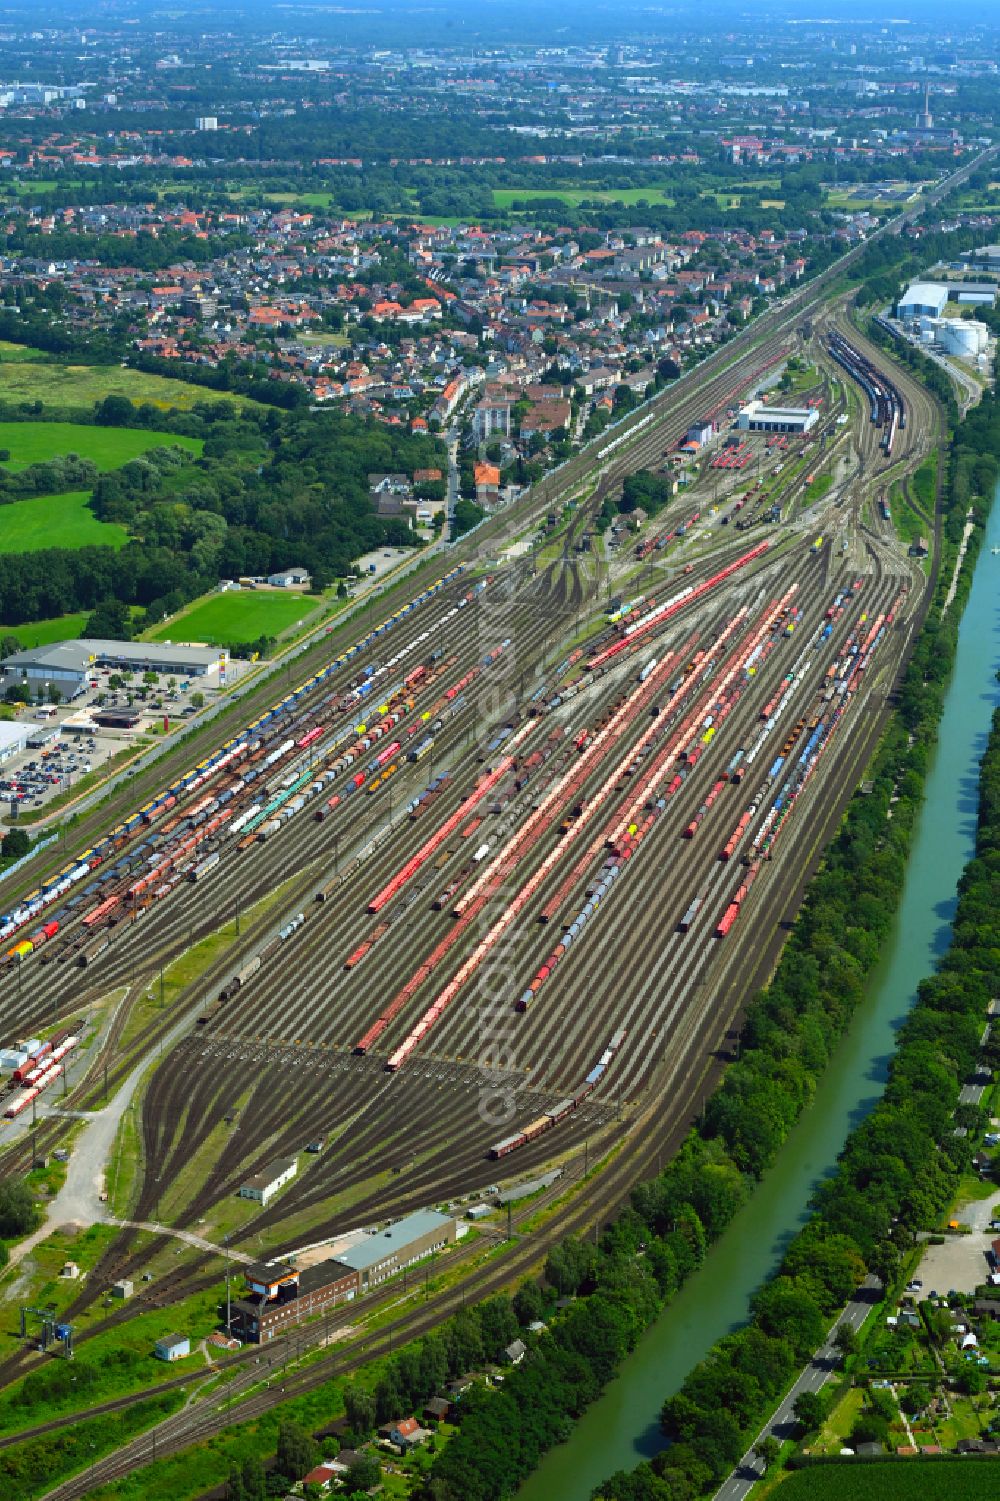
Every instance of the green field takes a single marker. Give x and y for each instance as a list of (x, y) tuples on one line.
[(225, 618), (82, 385), (19, 353), (107, 447), (900, 1480), (504, 197), (56, 521), (42, 632)]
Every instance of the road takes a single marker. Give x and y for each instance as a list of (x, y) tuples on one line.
[(817, 1373)]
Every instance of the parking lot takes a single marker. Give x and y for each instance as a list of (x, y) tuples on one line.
[(960, 1265), (74, 746)]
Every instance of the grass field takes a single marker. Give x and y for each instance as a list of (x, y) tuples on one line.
[(19, 353), (82, 385), (902, 1480), (56, 521), (42, 632), (224, 618), (108, 447), (504, 197)]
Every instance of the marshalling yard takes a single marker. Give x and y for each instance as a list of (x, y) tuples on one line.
[(508, 860)]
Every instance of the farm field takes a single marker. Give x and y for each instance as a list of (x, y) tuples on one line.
[(56, 521), (42, 632), (225, 618), (107, 447), (901, 1480), (82, 385)]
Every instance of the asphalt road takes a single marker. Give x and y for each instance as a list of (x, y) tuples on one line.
[(817, 1373)]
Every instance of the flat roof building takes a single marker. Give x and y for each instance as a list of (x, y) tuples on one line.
[(923, 299), (13, 739), (986, 258), (382, 1255), (66, 665), (759, 417), (264, 1185)]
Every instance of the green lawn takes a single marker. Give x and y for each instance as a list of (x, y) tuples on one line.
[(56, 521), (42, 632), (225, 618), (504, 197), (899, 1480), (107, 447), (82, 385), (19, 352)]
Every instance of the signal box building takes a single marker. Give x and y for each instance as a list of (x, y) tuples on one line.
[(278, 1297)]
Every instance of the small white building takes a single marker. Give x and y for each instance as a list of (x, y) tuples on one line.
[(172, 1347), (289, 578), (264, 1185)]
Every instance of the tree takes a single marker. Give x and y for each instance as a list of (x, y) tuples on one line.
[(114, 411), (364, 1474), (529, 1304), (18, 1211), (359, 1405), (16, 844), (197, 700), (810, 1410), (846, 1340), (768, 1450), (109, 620), (298, 1451)]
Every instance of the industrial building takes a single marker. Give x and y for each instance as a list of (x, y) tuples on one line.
[(264, 1185), (923, 299), (986, 258), (759, 417), (278, 1296), (67, 665), (172, 1347), (382, 1255)]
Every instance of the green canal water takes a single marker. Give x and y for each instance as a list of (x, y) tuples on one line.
[(621, 1428)]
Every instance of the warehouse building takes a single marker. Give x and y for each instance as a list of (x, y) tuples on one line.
[(759, 417), (986, 258), (13, 739), (264, 1185), (67, 665), (382, 1255), (923, 299)]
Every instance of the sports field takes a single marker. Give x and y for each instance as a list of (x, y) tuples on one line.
[(56, 521), (108, 447), (82, 385), (225, 618)]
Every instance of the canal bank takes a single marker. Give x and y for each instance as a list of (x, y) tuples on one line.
[(622, 1427)]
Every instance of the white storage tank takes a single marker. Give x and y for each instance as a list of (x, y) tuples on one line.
[(963, 337)]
